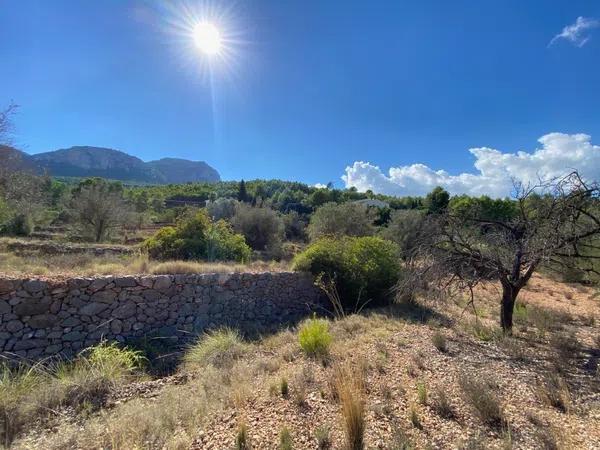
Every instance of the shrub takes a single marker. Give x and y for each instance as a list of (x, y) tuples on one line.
[(344, 219), (364, 268), (480, 394), (19, 225), (314, 337), (219, 348), (197, 237), (263, 228)]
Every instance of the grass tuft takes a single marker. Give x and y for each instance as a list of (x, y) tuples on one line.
[(219, 348), (350, 385), (439, 342), (481, 396), (323, 437), (285, 440), (314, 337)]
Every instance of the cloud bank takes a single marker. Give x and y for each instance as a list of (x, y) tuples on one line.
[(559, 153), (577, 33)]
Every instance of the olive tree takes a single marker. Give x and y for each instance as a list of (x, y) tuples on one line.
[(98, 208), (341, 219), (556, 223)]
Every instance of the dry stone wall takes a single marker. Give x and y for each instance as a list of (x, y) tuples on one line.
[(43, 318)]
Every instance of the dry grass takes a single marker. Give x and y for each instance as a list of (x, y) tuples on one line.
[(554, 392), (481, 396), (40, 392), (220, 348), (349, 385), (88, 264)]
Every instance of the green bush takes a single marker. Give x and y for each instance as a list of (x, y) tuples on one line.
[(19, 225), (197, 237), (364, 268), (314, 337)]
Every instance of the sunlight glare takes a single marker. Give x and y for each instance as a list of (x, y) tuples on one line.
[(207, 38)]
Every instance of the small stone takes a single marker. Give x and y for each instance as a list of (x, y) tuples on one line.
[(91, 309), (42, 321), (34, 286), (125, 311), (14, 325), (32, 307), (162, 283), (73, 336), (125, 282), (104, 296)]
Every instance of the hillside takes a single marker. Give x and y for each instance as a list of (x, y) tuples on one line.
[(108, 163)]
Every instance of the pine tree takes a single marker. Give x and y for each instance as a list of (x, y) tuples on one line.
[(242, 193)]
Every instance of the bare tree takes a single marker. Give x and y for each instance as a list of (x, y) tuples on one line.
[(6, 125), (555, 222), (98, 207)]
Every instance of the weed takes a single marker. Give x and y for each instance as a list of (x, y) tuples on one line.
[(285, 440), (422, 393)]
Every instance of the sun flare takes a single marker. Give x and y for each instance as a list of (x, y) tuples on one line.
[(207, 38)]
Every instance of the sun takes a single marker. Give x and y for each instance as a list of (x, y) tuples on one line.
[(208, 38)]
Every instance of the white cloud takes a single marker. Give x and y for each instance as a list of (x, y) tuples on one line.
[(320, 186), (559, 154), (577, 33)]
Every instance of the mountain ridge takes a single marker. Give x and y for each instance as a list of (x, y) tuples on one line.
[(89, 161)]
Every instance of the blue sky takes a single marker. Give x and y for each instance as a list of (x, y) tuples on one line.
[(309, 87)]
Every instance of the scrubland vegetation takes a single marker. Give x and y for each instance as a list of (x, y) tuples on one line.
[(373, 380)]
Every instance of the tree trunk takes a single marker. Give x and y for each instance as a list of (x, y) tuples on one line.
[(509, 295)]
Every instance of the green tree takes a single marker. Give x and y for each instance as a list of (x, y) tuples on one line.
[(263, 228), (98, 208), (242, 192), (344, 219), (437, 200)]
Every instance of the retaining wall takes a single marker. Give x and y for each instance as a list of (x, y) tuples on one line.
[(42, 318)]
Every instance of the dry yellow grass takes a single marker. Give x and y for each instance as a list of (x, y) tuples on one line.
[(49, 266)]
